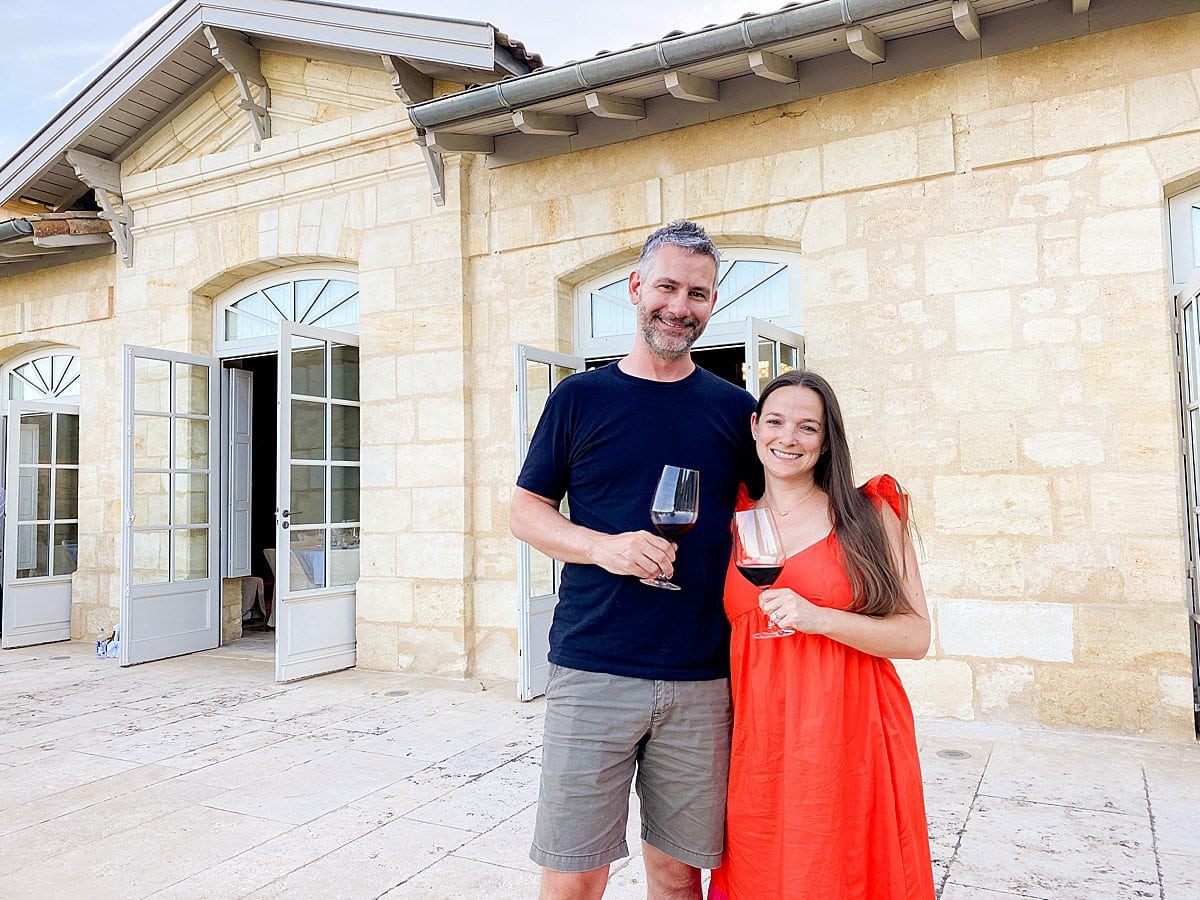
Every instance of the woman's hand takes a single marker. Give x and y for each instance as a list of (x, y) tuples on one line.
[(789, 610)]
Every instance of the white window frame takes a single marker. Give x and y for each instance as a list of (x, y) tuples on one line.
[(269, 343), (726, 334), (9, 367)]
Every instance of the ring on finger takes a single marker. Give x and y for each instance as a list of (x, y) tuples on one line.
[(776, 617)]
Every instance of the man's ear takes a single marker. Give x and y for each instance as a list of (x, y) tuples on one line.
[(635, 286)]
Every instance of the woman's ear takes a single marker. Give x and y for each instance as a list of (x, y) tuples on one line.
[(754, 425)]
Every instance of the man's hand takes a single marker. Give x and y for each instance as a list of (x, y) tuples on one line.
[(637, 553)]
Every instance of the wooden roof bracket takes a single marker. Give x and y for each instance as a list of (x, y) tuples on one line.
[(103, 176), (436, 168), (241, 60)]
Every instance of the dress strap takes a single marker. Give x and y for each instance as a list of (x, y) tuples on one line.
[(886, 489)]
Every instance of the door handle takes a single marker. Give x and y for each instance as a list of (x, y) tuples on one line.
[(285, 515)]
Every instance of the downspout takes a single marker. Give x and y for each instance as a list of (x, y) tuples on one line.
[(15, 230)]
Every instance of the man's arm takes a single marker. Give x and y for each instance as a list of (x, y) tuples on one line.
[(537, 521)]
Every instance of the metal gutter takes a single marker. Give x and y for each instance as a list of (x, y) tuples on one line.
[(15, 230), (669, 53)]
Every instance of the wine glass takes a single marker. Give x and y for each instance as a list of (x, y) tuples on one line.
[(758, 555), (673, 511)]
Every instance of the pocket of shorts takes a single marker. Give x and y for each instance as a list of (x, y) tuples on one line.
[(552, 675)]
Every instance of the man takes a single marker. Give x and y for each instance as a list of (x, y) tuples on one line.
[(639, 676)]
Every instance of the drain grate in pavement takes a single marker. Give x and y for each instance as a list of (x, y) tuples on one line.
[(395, 693), (954, 754)]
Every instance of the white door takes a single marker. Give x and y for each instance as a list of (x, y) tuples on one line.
[(317, 517), (770, 351), (41, 528), (170, 586), (1187, 336), (538, 373)]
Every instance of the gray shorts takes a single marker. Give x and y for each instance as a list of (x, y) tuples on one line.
[(599, 730)]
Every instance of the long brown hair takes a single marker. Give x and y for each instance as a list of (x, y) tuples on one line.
[(874, 577)]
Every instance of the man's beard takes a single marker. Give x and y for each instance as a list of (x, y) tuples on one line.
[(668, 346)]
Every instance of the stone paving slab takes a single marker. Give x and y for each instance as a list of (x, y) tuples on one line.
[(200, 777)]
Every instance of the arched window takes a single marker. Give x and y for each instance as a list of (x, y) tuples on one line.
[(758, 283), (250, 314), (45, 376)]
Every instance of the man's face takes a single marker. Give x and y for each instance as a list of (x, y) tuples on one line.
[(674, 298)]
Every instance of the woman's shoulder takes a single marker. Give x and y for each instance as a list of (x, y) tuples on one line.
[(883, 490)]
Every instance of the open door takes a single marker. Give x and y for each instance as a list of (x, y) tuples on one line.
[(1187, 337), (170, 587), (41, 528), (538, 372), (317, 517), (770, 351)]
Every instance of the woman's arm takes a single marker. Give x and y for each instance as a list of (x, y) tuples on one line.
[(899, 636)]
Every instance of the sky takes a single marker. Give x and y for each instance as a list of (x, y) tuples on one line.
[(52, 48)]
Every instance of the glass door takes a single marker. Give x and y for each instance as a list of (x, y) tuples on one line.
[(538, 372), (317, 520), (41, 527), (170, 597), (770, 351), (1187, 336)]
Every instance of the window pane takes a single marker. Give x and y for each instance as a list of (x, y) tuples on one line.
[(344, 440), (1191, 351), (151, 505), (337, 307), (66, 493), (66, 548), (33, 546), (537, 391), (343, 360), (191, 389), (308, 292), (151, 442), (766, 300), (191, 443), (308, 367), (308, 495), (67, 449), (258, 305), (191, 500), (191, 553), (343, 556), (239, 327), (307, 559), (33, 493), (280, 296), (150, 557), (344, 487), (789, 358), (308, 430), (151, 385), (766, 361), (1195, 236), (610, 318), (35, 438)]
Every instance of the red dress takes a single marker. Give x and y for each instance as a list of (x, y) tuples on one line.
[(825, 796)]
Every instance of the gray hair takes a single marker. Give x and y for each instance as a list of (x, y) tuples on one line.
[(687, 235)]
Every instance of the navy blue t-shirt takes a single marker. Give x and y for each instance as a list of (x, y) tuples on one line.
[(603, 440)]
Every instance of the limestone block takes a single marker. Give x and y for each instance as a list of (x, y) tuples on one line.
[(824, 225), (795, 174), (999, 629), (983, 321), (938, 687), (981, 261), (441, 603), (999, 567), (1064, 448), (992, 504), (1001, 686), (386, 248), (403, 199), (1122, 242), (425, 555), (1127, 178), (838, 278), (441, 419), (495, 653), (1162, 104), (987, 442), (935, 146), (1176, 691), (1146, 505), (1133, 638), (433, 651), (433, 373), (378, 465), (429, 465), (378, 554), (1099, 698), (1153, 569), (1147, 441), (440, 509), (990, 381), (389, 423), (871, 159), (377, 378), (378, 646), (1035, 201), (1066, 165), (1075, 121), (999, 135)]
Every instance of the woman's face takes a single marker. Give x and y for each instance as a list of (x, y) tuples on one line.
[(790, 434)]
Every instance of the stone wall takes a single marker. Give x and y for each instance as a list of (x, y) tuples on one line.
[(984, 260)]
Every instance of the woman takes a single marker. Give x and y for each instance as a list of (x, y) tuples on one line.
[(825, 797)]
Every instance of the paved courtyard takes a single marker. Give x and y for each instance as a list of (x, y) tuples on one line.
[(201, 777)]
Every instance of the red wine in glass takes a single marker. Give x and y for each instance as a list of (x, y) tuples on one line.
[(758, 555), (760, 576), (673, 511)]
